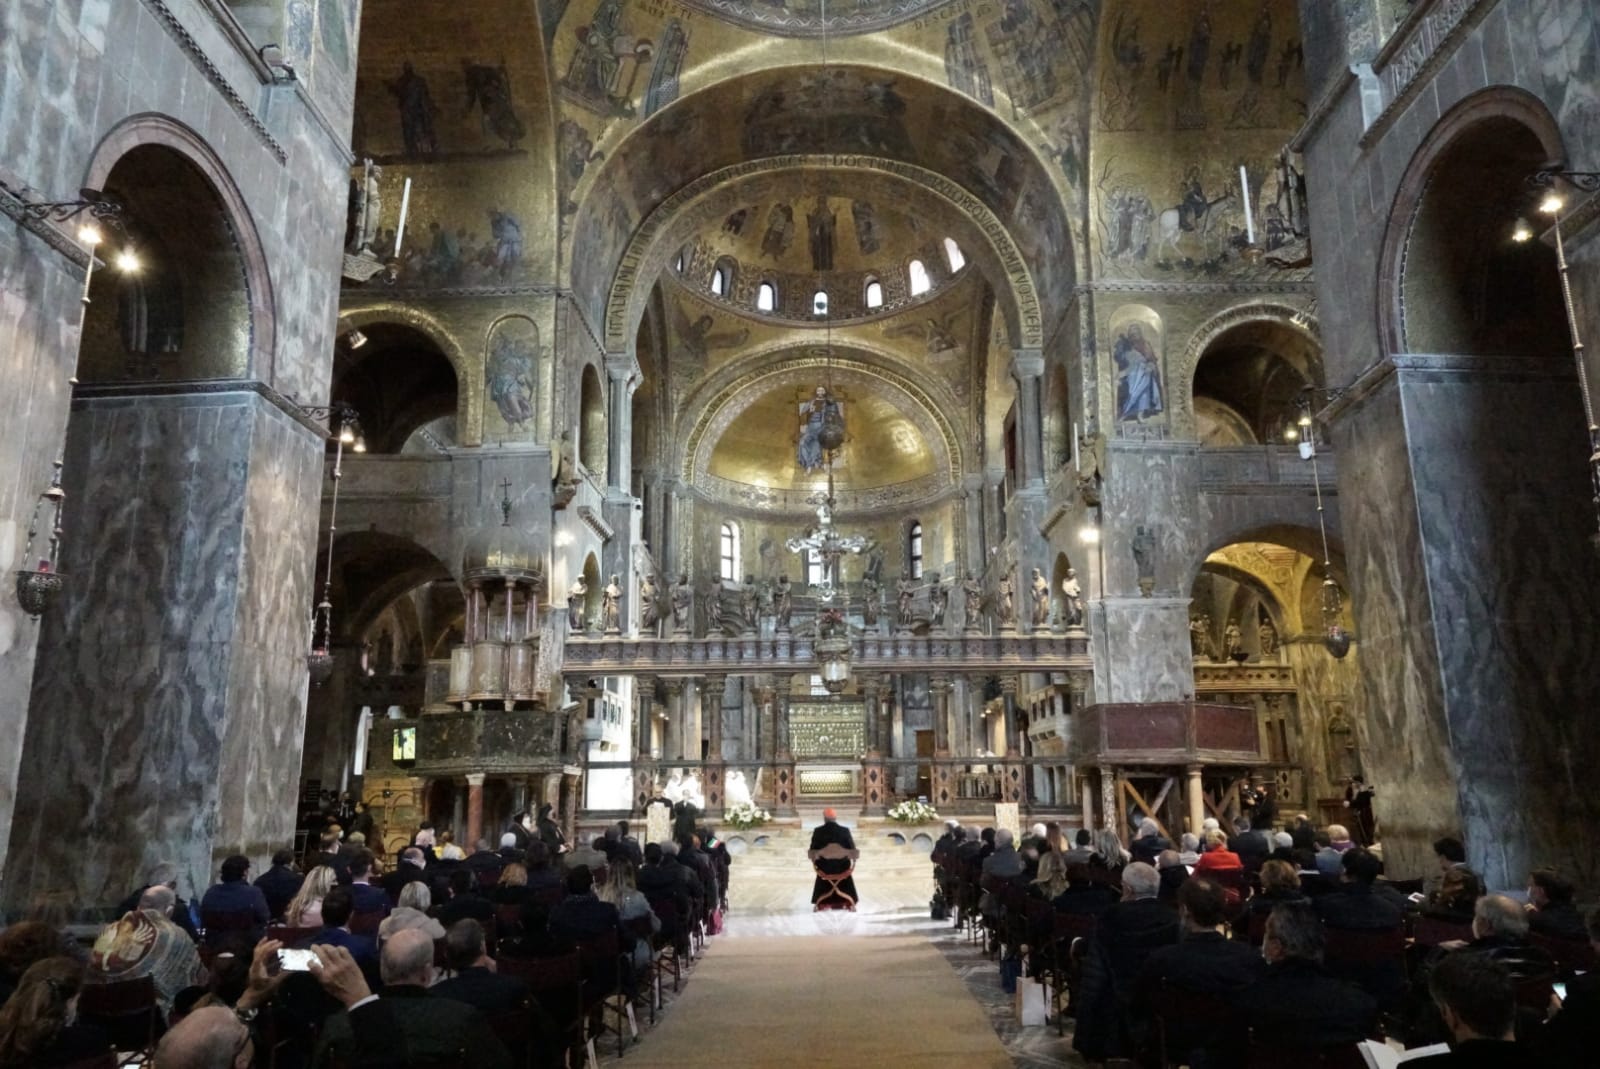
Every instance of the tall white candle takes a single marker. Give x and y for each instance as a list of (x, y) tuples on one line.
[(1249, 218), (1076, 464), (405, 206)]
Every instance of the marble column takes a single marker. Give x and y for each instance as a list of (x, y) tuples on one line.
[(1467, 515), (1108, 800), (1086, 799), (786, 786), (874, 785), (713, 694), (474, 809), (1008, 704), (644, 708), (672, 729), (169, 692), (622, 379), (944, 792), (1027, 370), (1197, 799)]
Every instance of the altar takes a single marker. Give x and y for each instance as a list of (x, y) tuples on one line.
[(828, 738)]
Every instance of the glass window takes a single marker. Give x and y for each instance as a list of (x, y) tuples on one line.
[(819, 303), (952, 253), (874, 294), (914, 549), (719, 281), (729, 552), (766, 297), (918, 275)]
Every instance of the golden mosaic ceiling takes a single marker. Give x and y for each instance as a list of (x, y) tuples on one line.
[(883, 447)]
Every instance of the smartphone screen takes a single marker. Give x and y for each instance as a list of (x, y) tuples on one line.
[(1561, 991), (295, 960)]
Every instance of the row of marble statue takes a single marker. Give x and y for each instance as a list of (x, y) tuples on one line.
[(775, 601), (1203, 644)]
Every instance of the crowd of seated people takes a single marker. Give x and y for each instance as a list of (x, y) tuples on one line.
[(1271, 946), (526, 957)]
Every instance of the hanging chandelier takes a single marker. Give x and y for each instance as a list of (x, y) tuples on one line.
[(319, 659), (1335, 636)]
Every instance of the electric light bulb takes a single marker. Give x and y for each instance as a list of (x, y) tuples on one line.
[(89, 234), (128, 261), (1522, 233), (361, 445), (347, 434), (1551, 204)]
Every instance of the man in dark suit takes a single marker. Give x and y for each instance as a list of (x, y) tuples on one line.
[(1149, 842), (1251, 843), (408, 870), (163, 874), (1083, 895), (1478, 1001), (1204, 961), (581, 916), (337, 907), (1570, 1038), (1356, 907), (234, 905), (657, 880), (367, 898), (1296, 1003), (475, 982), (1128, 933), (280, 883), (464, 901), (483, 860), (331, 852), (1552, 911), (407, 1024)]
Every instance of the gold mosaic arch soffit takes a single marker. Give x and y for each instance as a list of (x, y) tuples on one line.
[(698, 203), (1181, 373), (740, 385)]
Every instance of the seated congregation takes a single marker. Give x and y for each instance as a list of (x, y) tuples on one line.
[(525, 957), (1269, 949)]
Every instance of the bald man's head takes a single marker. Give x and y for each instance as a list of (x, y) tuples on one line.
[(209, 1038), (408, 958)]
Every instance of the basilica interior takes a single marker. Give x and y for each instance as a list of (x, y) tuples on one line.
[(1088, 405)]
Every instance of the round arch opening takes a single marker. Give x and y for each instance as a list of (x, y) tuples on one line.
[(403, 388)]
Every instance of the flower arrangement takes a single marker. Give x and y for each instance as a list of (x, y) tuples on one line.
[(914, 812), (745, 815)]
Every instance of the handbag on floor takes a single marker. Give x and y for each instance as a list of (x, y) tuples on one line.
[(1030, 1004), (937, 909), (714, 925)]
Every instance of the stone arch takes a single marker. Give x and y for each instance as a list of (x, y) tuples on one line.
[(1511, 108), (717, 399), (592, 440), (469, 372), (661, 234), (1303, 539), (161, 130), (1213, 330)]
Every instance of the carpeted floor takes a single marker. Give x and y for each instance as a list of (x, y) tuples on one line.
[(821, 1001)]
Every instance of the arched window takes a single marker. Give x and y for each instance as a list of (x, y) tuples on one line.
[(766, 297), (874, 293), (918, 276), (914, 548), (953, 254), (728, 555), (819, 303), (722, 279), (678, 263)]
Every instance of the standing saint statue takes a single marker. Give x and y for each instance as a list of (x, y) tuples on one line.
[(682, 606), (611, 606), (1006, 601), (711, 595), (1268, 636), (1232, 641), (938, 600), (908, 592), (750, 605), (577, 601), (649, 610), (972, 598), (1041, 600), (783, 603), (871, 591), (1072, 592)]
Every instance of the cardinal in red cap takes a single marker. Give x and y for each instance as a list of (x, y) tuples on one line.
[(830, 891)]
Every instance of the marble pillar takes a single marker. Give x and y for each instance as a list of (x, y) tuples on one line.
[(1008, 722), (786, 786), (1027, 370), (672, 728), (474, 810), (168, 701), (944, 792), (713, 695), (871, 689), (1108, 800), (622, 379), (1467, 517), (1197, 798)]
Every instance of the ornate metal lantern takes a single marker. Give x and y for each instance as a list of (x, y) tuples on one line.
[(39, 588)]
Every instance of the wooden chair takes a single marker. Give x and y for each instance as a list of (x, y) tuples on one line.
[(1431, 931), (1067, 930), (1280, 1056), (126, 1010), (514, 1029), (291, 936), (1181, 1018), (603, 990), (1355, 946), (827, 863), (668, 945), (557, 983), (650, 982)]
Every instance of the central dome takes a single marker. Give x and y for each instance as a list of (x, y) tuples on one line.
[(813, 257)]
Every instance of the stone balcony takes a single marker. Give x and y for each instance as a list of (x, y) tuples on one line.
[(1166, 733)]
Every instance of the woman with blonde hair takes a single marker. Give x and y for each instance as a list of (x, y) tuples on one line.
[(416, 895), (305, 908), (512, 890), (1108, 851), (1052, 877), (37, 1025), (621, 889)]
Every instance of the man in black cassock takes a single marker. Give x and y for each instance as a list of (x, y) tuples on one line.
[(828, 893)]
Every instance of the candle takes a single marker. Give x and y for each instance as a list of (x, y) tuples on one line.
[(1249, 220), (1076, 465), (405, 206)]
